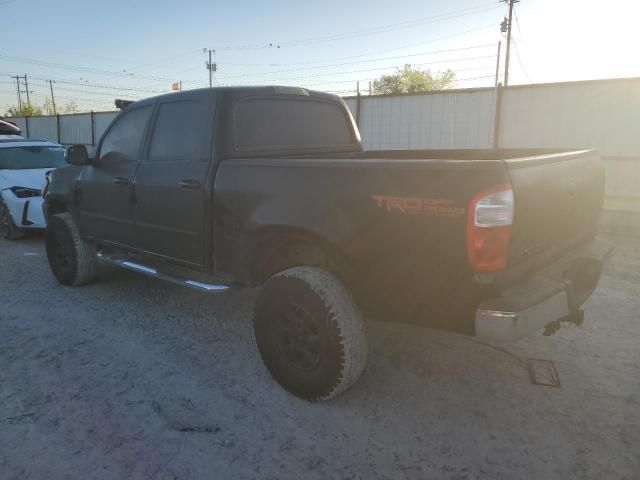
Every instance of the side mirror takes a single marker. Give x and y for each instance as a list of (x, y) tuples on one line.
[(77, 155)]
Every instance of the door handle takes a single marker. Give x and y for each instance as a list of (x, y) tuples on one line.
[(121, 180), (191, 184)]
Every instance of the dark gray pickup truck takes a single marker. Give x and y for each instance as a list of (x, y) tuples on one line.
[(269, 186)]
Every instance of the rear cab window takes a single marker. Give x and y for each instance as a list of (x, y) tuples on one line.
[(292, 124)]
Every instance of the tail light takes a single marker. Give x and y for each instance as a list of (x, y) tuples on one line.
[(489, 229)]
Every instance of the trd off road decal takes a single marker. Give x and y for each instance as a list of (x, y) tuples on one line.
[(435, 207)]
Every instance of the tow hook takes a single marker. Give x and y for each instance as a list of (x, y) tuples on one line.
[(576, 317)]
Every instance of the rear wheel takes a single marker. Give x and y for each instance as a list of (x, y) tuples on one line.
[(8, 229), (310, 333), (72, 259)]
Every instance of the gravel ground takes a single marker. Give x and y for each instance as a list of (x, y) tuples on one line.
[(131, 378)]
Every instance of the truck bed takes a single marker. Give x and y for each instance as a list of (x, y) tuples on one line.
[(360, 204)]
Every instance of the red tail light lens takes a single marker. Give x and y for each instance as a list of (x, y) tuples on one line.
[(489, 229)]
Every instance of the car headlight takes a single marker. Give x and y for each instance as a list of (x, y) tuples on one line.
[(24, 192)]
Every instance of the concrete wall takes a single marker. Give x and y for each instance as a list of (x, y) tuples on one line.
[(597, 114), (75, 128), (439, 120), (602, 114)]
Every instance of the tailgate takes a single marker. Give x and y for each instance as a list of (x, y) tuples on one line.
[(558, 198)]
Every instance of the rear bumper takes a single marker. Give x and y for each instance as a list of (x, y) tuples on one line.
[(552, 293)]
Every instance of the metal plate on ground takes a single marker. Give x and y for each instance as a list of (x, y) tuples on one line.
[(543, 372)]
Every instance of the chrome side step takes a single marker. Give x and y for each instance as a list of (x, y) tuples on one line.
[(152, 272)]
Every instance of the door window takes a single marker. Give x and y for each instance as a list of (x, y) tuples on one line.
[(179, 132), (124, 138)]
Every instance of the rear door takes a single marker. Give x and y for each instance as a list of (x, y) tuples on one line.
[(170, 190), (104, 188)]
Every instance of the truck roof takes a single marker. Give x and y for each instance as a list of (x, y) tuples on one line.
[(243, 91)]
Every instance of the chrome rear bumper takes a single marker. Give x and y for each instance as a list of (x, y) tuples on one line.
[(551, 294)]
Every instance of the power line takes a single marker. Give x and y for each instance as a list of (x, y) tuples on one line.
[(515, 48), (491, 25), (136, 76), (515, 12), (367, 31), (130, 62), (43, 82), (376, 68), (332, 82), (103, 86), (408, 24), (431, 52), (76, 68), (369, 54)]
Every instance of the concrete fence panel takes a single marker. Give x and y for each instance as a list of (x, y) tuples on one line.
[(76, 128), (459, 119), (43, 128), (102, 121)]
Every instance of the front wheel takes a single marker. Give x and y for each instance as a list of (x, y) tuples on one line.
[(310, 333), (72, 259), (8, 229)]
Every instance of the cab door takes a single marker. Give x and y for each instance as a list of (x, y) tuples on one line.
[(104, 189), (170, 183)]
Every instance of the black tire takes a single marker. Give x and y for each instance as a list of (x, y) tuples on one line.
[(73, 260), (310, 333), (8, 229)]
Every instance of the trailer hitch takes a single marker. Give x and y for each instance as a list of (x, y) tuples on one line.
[(576, 317)]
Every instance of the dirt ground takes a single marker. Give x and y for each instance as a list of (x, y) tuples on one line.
[(131, 378)]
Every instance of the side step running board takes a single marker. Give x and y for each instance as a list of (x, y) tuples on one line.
[(152, 272)]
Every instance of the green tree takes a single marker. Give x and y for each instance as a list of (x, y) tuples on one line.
[(70, 107), (47, 107), (411, 80), (26, 110), (32, 110)]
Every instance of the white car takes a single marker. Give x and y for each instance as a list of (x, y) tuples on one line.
[(23, 168)]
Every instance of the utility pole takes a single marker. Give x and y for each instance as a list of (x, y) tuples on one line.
[(211, 64), (506, 26), (498, 63), (369, 88), (18, 90), (53, 100), (26, 86)]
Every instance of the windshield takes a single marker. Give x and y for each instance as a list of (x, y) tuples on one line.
[(36, 156)]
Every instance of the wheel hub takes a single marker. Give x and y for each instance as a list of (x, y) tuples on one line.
[(61, 251), (300, 338)]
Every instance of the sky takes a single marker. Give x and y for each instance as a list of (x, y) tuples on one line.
[(97, 51)]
